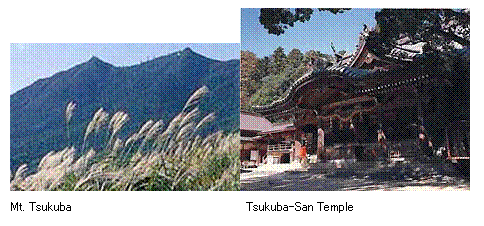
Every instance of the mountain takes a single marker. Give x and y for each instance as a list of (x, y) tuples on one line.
[(156, 89)]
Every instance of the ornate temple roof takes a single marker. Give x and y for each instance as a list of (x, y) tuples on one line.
[(348, 68), (348, 74)]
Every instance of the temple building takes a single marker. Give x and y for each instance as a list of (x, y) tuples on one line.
[(265, 142), (392, 87)]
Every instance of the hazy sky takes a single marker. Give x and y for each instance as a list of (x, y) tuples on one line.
[(316, 34), (30, 62)]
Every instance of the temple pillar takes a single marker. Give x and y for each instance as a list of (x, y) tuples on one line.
[(419, 108), (357, 124)]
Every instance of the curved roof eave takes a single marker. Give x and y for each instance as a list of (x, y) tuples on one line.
[(331, 71)]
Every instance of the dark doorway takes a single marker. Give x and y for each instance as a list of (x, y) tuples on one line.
[(286, 158)]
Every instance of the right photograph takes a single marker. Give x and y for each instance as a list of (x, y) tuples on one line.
[(355, 99)]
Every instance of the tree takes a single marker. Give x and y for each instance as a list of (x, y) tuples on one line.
[(262, 69), (277, 20), (279, 54), (248, 62), (440, 28), (278, 60), (295, 58)]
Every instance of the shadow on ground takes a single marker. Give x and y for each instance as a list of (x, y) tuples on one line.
[(363, 176)]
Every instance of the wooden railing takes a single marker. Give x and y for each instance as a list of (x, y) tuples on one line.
[(282, 147)]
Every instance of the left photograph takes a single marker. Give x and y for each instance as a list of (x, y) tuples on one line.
[(118, 116)]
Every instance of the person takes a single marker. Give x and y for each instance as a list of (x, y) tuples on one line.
[(297, 148), (381, 136), (303, 154), (373, 154), (320, 150), (382, 139), (425, 144)]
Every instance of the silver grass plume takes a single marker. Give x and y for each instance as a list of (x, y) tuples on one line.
[(174, 124), (164, 138), (103, 118), (94, 122), (81, 164), (155, 129), (146, 127), (115, 124), (165, 141), (114, 119), (186, 126), (207, 119), (54, 159), (212, 138), (18, 178), (133, 138), (119, 121), (195, 98), (142, 132), (44, 159), (185, 131), (190, 117), (118, 145), (68, 154), (20, 174), (69, 110), (193, 131)]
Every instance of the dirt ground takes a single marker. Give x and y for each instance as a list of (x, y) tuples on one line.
[(357, 176)]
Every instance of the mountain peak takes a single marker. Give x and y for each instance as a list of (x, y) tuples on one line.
[(189, 53), (187, 50), (94, 59)]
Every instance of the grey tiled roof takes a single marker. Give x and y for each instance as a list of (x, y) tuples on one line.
[(252, 122)]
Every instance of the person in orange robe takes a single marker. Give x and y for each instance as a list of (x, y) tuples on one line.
[(303, 154)]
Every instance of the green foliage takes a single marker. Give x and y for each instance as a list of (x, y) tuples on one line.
[(267, 79), (278, 60), (209, 177), (439, 27), (69, 182), (295, 58)]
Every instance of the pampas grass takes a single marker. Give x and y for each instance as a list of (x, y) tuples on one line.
[(117, 122), (151, 133), (145, 128), (68, 114), (209, 118), (98, 121), (153, 158), (69, 110), (195, 98)]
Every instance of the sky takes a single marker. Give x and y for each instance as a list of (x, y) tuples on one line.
[(316, 34), (32, 61)]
